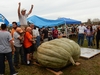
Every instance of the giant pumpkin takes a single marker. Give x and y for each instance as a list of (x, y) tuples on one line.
[(58, 53)]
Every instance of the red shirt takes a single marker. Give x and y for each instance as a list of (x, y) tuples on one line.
[(55, 33)]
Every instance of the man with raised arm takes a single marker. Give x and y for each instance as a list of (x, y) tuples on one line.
[(23, 16)]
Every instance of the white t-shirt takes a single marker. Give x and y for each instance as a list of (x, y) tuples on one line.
[(94, 27), (23, 19), (35, 32), (81, 29)]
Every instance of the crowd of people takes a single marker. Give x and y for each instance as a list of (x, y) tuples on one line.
[(23, 40), (89, 32), (20, 38)]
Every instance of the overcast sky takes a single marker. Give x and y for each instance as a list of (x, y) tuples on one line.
[(53, 9)]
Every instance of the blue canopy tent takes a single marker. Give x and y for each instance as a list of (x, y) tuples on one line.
[(3, 19), (40, 22), (70, 21)]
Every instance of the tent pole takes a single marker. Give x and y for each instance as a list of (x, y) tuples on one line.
[(66, 29)]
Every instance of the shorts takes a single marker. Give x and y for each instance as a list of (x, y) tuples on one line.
[(23, 27), (33, 48), (28, 50)]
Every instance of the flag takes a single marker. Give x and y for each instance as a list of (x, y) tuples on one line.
[(3, 19)]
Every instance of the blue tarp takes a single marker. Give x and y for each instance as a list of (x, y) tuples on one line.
[(70, 21), (40, 22), (3, 19)]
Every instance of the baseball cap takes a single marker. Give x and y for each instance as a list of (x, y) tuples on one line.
[(19, 30), (23, 9)]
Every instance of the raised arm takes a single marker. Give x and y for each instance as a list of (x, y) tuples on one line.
[(30, 10), (19, 4)]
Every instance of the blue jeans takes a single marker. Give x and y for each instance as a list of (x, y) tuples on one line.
[(80, 39), (38, 41), (89, 39), (18, 51), (2, 62)]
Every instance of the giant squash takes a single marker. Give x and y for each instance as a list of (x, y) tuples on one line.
[(58, 53)]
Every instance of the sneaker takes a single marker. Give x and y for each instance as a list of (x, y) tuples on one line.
[(29, 64), (15, 73)]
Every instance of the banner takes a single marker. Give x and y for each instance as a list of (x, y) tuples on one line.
[(3, 19)]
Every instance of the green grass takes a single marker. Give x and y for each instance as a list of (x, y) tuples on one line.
[(87, 67)]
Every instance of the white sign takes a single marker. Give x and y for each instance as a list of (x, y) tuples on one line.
[(89, 52)]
